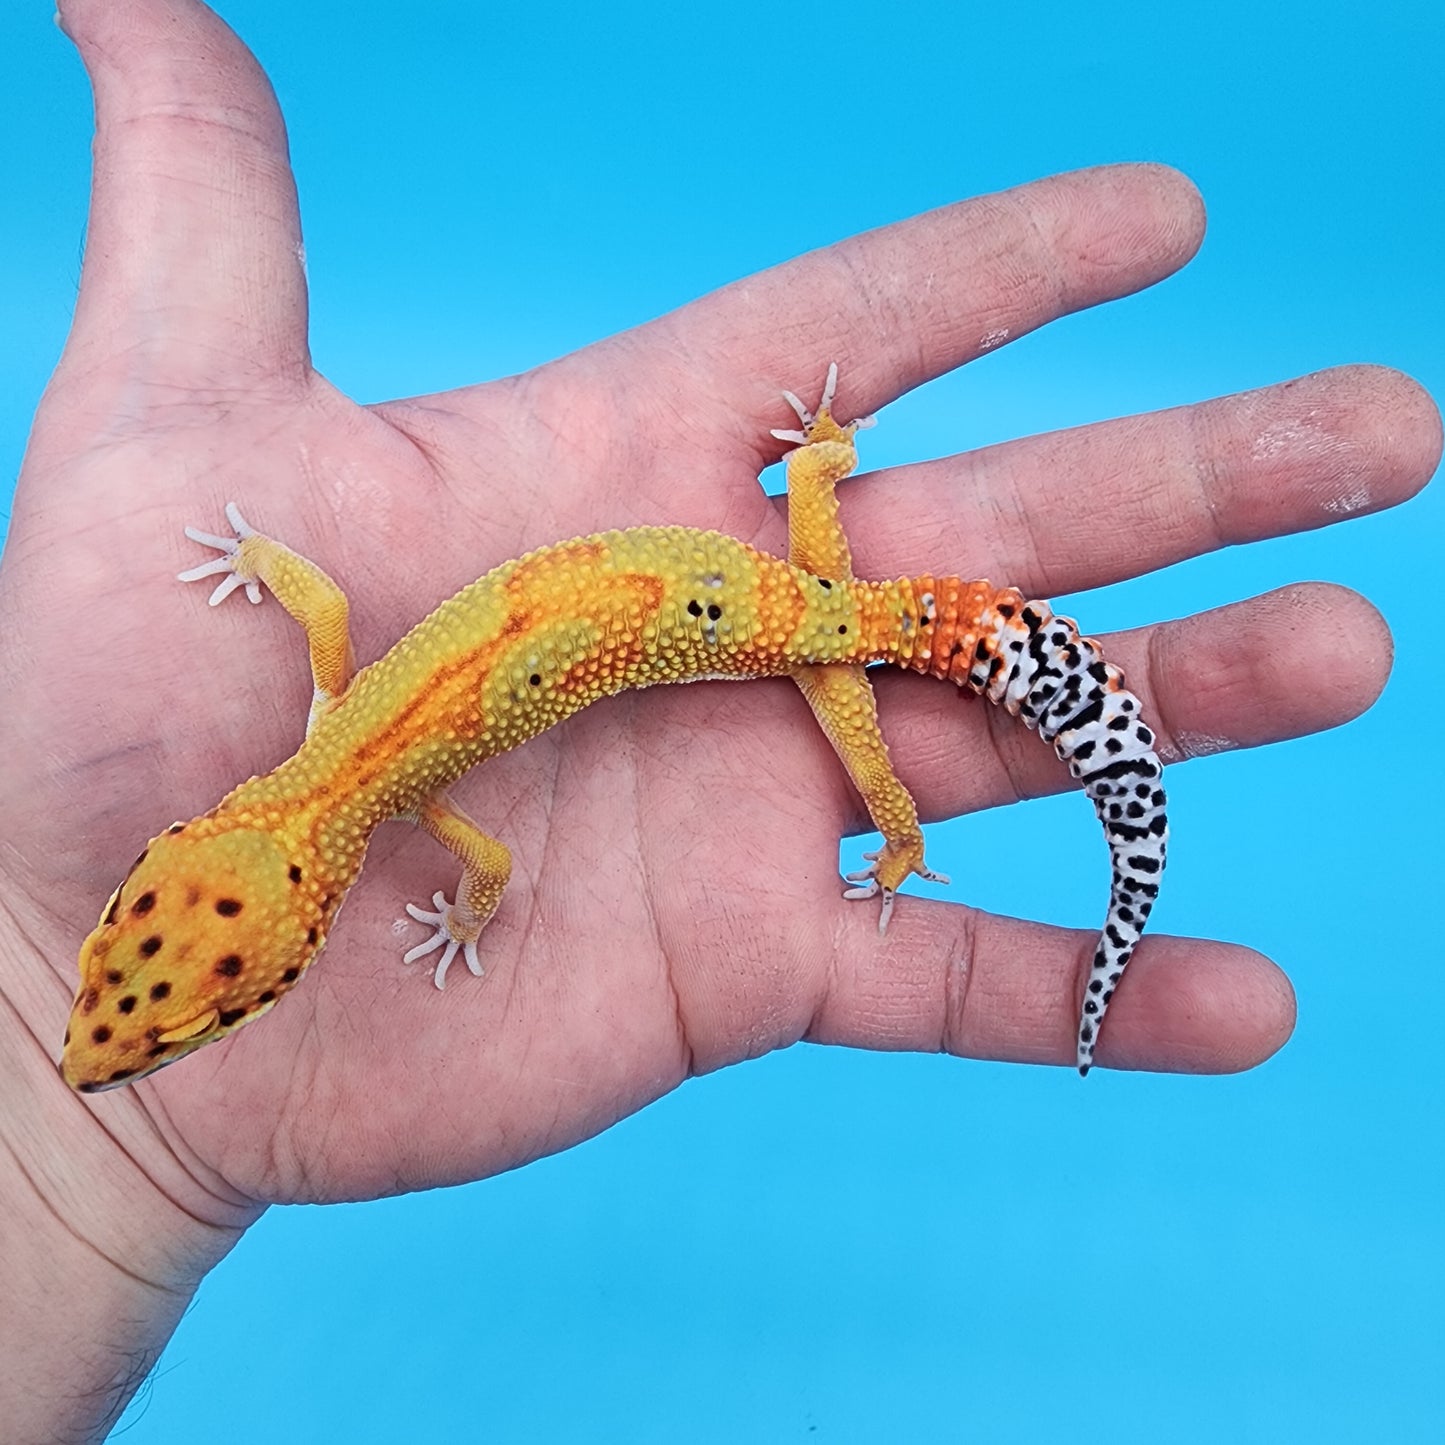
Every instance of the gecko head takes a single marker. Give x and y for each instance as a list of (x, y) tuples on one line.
[(213, 923)]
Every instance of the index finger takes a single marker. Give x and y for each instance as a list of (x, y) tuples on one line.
[(905, 303)]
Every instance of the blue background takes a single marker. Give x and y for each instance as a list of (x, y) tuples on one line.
[(825, 1244)]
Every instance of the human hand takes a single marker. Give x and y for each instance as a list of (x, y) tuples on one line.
[(673, 907)]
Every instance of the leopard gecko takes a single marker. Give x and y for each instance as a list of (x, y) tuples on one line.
[(219, 917)]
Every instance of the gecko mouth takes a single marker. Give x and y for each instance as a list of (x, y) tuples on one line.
[(180, 1032), (190, 1032)]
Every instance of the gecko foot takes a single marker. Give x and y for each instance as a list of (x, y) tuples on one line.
[(812, 420), (894, 864), (223, 566), (443, 919)]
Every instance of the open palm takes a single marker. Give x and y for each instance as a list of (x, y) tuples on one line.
[(674, 905)]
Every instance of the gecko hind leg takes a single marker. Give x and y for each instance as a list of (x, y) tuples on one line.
[(840, 694)]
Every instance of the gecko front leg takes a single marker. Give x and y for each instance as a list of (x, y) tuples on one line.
[(486, 867), (311, 596)]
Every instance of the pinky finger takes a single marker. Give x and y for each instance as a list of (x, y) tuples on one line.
[(959, 981)]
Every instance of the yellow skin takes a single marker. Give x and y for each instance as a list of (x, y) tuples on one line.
[(219, 917)]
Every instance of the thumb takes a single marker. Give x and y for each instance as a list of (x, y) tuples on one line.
[(193, 285)]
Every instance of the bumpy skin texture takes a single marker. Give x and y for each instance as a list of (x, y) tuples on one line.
[(219, 917)]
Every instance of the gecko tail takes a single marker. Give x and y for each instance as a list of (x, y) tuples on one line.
[(1039, 668)]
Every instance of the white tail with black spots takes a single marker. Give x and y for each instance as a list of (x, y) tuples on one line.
[(1038, 667)]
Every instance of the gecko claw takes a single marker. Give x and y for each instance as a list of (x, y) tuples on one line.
[(443, 938)]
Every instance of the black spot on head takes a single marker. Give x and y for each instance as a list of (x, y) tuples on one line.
[(228, 1016), (127, 1003), (311, 935), (100, 1035), (120, 1074), (228, 907), (826, 585), (714, 611), (1005, 610), (230, 966), (88, 1088), (267, 997), (160, 991), (695, 608), (291, 975), (294, 873), (842, 628), (535, 680), (150, 946), (113, 975), (143, 904)]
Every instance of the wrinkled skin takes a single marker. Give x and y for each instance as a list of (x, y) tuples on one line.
[(674, 906)]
